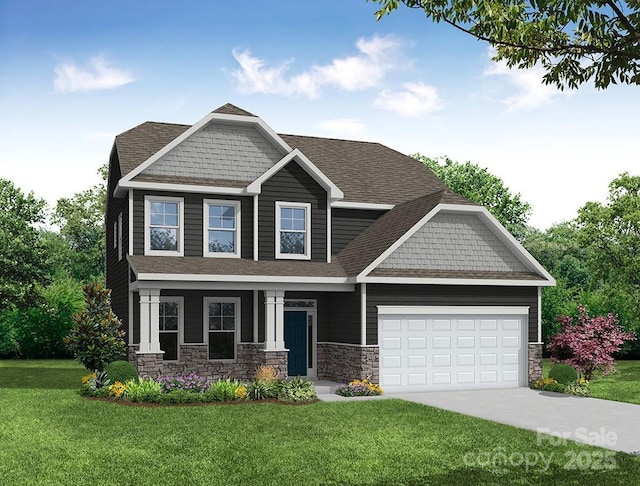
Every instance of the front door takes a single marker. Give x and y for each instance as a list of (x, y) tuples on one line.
[(295, 340)]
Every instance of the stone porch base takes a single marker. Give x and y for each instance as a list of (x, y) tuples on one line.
[(534, 366), (346, 362)]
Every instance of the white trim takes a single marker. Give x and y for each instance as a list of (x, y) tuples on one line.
[(163, 186), (130, 311), (539, 314), (255, 317), (180, 331), (312, 371), (303, 285), (333, 191), (362, 205), (307, 232), (238, 324), (240, 278), (456, 281), (255, 228), (220, 117), (205, 228), (130, 229), (147, 220), (120, 236), (349, 344), (328, 225), (363, 314), (492, 223), (452, 309)]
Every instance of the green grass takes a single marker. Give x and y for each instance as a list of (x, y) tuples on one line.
[(622, 386), (54, 436)]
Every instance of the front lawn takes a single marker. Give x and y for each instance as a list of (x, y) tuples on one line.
[(622, 386), (54, 436)]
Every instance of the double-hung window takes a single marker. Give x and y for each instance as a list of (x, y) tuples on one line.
[(222, 228), (293, 230), (170, 324), (221, 327), (164, 226)]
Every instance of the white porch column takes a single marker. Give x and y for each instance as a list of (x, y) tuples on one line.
[(274, 320), (149, 321)]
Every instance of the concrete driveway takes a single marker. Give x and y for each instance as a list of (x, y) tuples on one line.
[(604, 423)]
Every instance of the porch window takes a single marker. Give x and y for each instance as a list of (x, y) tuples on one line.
[(222, 223), (293, 230), (164, 226), (170, 317), (222, 321)]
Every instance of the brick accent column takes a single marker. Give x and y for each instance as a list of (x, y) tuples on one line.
[(346, 362), (149, 364), (534, 365)]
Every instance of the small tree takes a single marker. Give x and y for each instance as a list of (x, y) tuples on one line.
[(589, 343), (96, 338)]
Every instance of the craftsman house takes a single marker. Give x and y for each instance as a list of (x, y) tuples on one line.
[(231, 246)]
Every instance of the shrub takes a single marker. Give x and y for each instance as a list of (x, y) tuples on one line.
[(297, 390), (580, 389), (117, 389), (144, 390), (179, 397), (95, 381), (359, 388), (261, 390), (223, 390), (122, 371), (548, 384), (9, 346), (190, 382), (96, 339), (265, 374), (563, 373)]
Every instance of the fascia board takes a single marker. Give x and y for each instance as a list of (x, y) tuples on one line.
[(362, 205), (161, 186), (456, 281)]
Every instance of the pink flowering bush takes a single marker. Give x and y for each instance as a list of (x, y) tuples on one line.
[(588, 344), (191, 382)]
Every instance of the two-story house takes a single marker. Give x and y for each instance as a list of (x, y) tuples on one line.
[(231, 246)]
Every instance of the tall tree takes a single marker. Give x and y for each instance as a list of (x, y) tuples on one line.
[(479, 185), (81, 221), (574, 40), (21, 250)]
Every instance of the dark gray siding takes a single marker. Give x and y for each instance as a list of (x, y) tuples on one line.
[(193, 221), (389, 294), (344, 317), (346, 224), (292, 184), (116, 271)]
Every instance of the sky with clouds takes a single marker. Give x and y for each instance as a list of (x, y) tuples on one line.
[(73, 74)]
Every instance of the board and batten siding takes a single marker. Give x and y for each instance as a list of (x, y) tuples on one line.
[(449, 295), (347, 224), (292, 184), (193, 221), (344, 317)]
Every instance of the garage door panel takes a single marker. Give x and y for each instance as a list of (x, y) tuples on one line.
[(438, 352)]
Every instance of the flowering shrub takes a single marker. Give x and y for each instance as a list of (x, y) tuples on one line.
[(191, 382), (241, 392), (87, 378), (117, 389), (359, 388), (225, 390)]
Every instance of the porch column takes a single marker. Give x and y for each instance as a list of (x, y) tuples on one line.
[(149, 321), (274, 320)]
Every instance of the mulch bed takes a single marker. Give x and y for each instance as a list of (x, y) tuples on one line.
[(128, 403)]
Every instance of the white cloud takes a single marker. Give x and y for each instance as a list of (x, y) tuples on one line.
[(531, 90), (414, 100), (95, 75), (375, 58), (349, 128)]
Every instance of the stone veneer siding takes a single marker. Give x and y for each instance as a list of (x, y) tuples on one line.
[(345, 362), (194, 358), (534, 366)]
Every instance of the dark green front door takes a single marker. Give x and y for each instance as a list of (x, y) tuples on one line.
[(295, 340)]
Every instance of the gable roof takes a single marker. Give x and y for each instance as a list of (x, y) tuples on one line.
[(365, 172)]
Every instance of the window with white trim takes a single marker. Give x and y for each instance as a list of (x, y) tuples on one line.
[(221, 327), (293, 230), (170, 324), (222, 228), (164, 226)]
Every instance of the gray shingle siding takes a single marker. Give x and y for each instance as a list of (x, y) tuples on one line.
[(347, 224), (292, 184), (390, 294), (193, 221), (454, 242), (220, 151)]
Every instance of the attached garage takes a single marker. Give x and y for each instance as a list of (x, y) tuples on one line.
[(426, 348)]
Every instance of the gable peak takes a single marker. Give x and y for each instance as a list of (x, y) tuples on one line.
[(229, 109)]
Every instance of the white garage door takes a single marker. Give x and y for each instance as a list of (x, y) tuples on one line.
[(442, 348)]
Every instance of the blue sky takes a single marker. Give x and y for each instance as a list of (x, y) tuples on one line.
[(73, 74)]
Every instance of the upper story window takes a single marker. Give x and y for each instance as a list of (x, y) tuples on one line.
[(293, 230), (164, 226), (222, 228)]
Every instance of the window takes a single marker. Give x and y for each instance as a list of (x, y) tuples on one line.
[(222, 228), (115, 235), (222, 320), (119, 236), (170, 324), (293, 230), (164, 229)]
